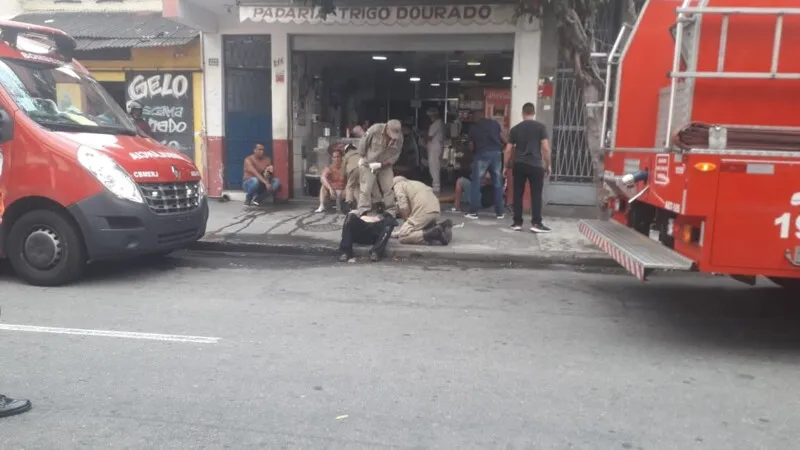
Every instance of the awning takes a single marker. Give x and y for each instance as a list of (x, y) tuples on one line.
[(97, 31)]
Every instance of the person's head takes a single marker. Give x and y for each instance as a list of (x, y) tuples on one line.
[(393, 130), (336, 157), (528, 111), (357, 131), (432, 113), (134, 109), (259, 150)]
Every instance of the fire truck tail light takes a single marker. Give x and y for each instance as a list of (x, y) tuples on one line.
[(705, 167)]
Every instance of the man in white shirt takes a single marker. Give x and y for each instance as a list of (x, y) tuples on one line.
[(435, 148)]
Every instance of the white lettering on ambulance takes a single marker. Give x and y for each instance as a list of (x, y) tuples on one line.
[(145, 174), (152, 154)]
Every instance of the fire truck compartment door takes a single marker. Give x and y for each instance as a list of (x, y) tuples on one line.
[(758, 213)]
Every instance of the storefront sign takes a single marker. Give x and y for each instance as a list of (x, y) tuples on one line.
[(382, 15), (168, 106)]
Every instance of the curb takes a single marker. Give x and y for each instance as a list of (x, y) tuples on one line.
[(538, 259)]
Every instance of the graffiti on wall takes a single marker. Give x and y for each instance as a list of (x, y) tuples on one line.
[(167, 99)]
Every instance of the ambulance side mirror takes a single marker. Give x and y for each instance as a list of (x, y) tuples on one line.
[(6, 126)]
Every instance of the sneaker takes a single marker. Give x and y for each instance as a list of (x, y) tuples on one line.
[(248, 201), (321, 209), (344, 257), (516, 227), (11, 407), (540, 228), (501, 216), (471, 216)]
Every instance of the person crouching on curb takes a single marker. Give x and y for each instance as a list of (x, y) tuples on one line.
[(332, 182), (420, 209), (373, 230)]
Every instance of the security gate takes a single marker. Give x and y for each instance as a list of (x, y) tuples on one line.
[(572, 180)]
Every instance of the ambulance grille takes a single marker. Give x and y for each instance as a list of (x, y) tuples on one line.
[(171, 198)]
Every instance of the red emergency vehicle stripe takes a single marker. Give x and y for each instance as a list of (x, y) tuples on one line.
[(631, 265)]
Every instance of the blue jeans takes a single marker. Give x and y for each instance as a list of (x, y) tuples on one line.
[(487, 162), (255, 188)]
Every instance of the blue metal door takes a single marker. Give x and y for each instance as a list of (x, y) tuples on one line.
[(248, 102)]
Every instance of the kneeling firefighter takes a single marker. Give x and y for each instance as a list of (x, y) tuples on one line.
[(419, 207)]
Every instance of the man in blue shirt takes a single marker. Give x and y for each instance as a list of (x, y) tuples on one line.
[(486, 135)]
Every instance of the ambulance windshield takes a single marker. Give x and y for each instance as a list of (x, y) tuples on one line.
[(61, 99)]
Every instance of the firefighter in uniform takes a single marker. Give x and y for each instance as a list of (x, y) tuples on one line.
[(378, 150), (420, 208)]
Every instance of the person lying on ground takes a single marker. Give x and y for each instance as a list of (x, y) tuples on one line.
[(259, 181), (419, 207), (374, 230), (332, 182)]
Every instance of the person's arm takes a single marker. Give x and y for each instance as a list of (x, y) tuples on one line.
[(547, 156), (364, 143), (508, 153), (325, 178), (547, 152), (394, 153), (250, 169), (402, 201)]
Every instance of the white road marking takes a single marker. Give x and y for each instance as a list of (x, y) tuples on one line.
[(116, 334)]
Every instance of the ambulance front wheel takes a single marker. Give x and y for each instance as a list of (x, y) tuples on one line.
[(790, 284), (45, 248)]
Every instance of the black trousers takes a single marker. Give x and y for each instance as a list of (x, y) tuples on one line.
[(534, 176), (357, 231)]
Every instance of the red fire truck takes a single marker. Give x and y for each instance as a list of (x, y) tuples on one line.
[(78, 182), (701, 141)]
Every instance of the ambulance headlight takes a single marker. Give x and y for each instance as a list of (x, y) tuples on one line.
[(109, 174)]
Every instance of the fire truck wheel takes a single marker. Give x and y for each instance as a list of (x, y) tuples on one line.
[(46, 249), (790, 284)]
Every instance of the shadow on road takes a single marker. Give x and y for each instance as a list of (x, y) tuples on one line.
[(708, 311)]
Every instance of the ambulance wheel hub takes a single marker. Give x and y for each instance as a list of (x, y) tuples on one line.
[(42, 248)]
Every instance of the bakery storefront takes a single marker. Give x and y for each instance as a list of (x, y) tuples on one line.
[(284, 76)]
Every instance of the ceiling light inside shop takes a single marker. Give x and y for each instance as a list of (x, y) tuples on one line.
[(435, 84), (506, 78), (379, 58), (456, 79), (414, 79), (473, 63), (480, 74), (399, 69)]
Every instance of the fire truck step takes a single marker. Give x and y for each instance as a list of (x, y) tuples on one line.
[(639, 254)]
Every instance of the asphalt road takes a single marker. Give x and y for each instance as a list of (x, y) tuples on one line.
[(305, 354)]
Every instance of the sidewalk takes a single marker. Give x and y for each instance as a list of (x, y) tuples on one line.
[(294, 227)]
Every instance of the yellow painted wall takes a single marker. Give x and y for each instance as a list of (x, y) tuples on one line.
[(168, 58), (159, 58)]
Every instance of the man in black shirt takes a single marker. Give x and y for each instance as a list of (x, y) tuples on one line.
[(528, 157)]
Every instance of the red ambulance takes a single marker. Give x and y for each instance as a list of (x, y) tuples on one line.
[(78, 182)]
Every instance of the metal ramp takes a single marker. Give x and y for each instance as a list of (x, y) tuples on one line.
[(637, 253)]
